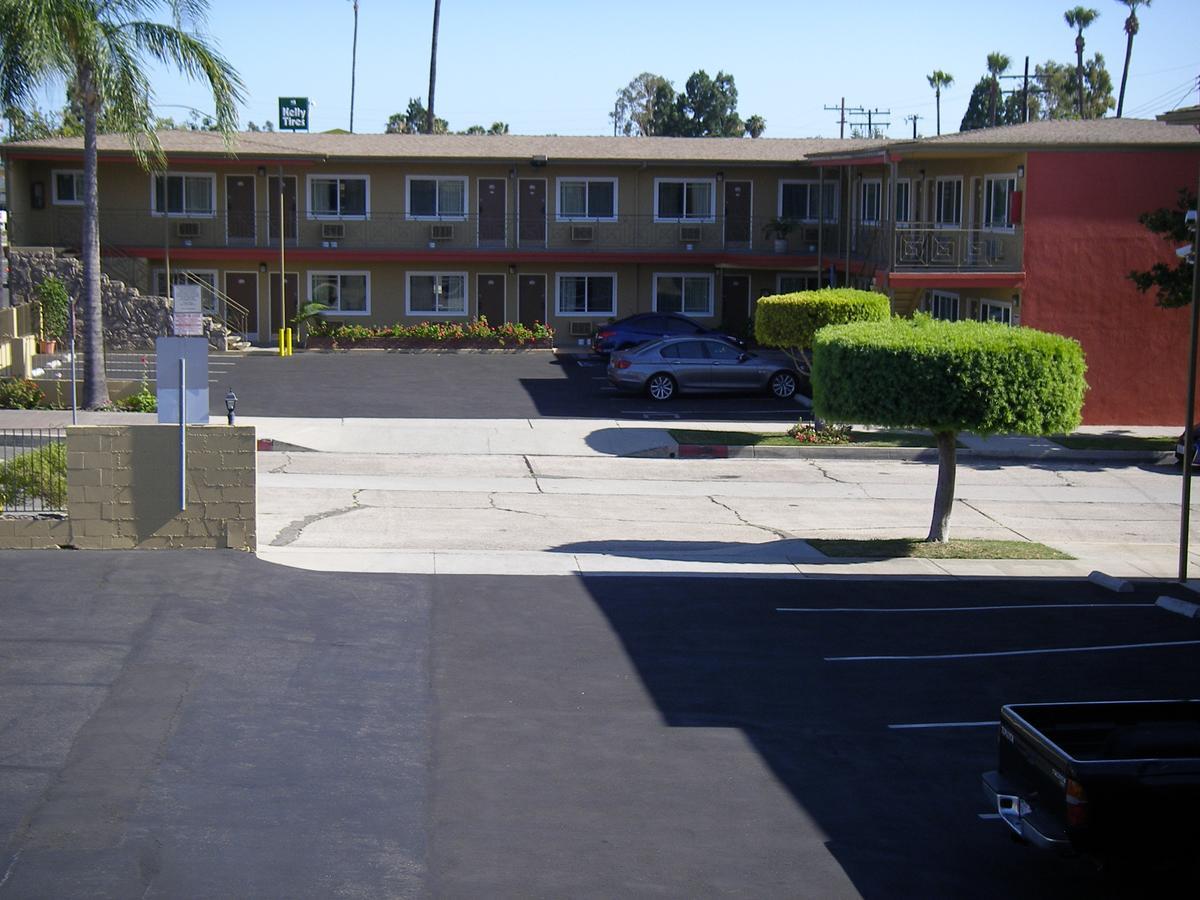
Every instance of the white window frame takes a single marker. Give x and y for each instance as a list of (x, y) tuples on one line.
[(337, 310), (155, 274), (339, 215), (813, 185), (907, 184), (988, 181), (77, 175), (439, 216), (877, 184), (448, 314), (933, 297), (710, 216), (937, 200), (185, 214), (708, 313), (814, 277), (999, 304), (559, 311), (586, 180)]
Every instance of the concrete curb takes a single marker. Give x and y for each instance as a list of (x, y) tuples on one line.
[(918, 454)]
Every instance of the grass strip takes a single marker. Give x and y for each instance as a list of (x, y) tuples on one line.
[(896, 548), (1164, 443), (783, 439)]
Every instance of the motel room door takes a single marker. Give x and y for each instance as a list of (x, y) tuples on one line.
[(289, 202), (738, 196), (489, 297), (531, 212), (289, 302), (531, 299), (242, 289), (239, 210), (735, 303), (493, 208)]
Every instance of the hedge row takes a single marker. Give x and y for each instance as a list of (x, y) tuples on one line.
[(792, 320), (438, 332), (949, 376)]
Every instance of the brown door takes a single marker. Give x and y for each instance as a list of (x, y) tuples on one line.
[(735, 304), (531, 212), (289, 203), (242, 289), (531, 299), (492, 209), (239, 209), (289, 301), (737, 212), (489, 289)]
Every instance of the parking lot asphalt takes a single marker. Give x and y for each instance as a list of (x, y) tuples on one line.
[(205, 724), (495, 385)]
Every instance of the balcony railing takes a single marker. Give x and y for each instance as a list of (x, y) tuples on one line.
[(957, 249)]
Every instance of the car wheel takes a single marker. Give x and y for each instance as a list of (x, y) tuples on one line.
[(660, 387), (783, 385)]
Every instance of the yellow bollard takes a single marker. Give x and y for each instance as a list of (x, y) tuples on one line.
[(289, 342), (282, 350)]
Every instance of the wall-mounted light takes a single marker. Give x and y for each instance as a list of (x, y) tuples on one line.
[(1020, 171), (720, 176), (512, 269), (538, 161), (921, 172), (262, 268), (262, 171)]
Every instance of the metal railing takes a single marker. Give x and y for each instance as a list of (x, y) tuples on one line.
[(33, 470), (927, 247)]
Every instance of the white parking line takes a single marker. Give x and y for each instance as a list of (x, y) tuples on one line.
[(989, 815), (945, 725), (1015, 652), (924, 609)]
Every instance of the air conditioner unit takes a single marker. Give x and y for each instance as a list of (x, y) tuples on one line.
[(690, 232), (581, 329), (583, 232), (333, 231), (187, 229), (441, 232)]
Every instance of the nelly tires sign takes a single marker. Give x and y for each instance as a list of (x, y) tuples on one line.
[(293, 114)]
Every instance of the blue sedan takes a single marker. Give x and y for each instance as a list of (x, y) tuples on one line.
[(643, 327)]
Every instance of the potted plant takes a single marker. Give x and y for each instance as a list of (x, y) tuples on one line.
[(52, 308), (305, 317), (778, 229)]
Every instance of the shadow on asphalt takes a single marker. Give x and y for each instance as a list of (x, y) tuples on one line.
[(786, 550), (900, 808)]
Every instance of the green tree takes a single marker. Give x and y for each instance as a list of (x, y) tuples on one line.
[(100, 49), (1058, 94), (633, 113), (977, 115), (791, 321), (706, 107), (1131, 29), (1080, 18), (415, 120), (982, 377), (755, 126), (1172, 283), (997, 65), (937, 81)]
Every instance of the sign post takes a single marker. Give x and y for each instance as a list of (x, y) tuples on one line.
[(293, 114)]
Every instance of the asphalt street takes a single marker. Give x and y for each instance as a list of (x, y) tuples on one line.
[(514, 385), (204, 724)]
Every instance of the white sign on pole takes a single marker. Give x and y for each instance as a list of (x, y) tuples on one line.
[(187, 298), (188, 324)]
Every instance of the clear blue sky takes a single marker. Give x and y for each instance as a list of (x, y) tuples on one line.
[(556, 67)]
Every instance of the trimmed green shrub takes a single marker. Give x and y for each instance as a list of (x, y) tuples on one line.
[(436, 332), (21, 393), (791, 321), (40, 474), (948, 377), (54, 300)]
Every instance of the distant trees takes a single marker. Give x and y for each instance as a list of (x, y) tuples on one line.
[(978, 115), (937, 81), (1080, 18), (1059, 90), (706, 107), (1131, 29), (997, 65), (415, 120)]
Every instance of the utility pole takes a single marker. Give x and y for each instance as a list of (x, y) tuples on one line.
[(1025, 93), (841, 118), (353, 64), (913, 118), (871, 121)]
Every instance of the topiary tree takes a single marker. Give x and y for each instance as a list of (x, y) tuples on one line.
[(948, 377), (54, 303), (790, 322)]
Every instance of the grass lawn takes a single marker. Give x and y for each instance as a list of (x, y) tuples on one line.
[(782, 439), (961, 549), (1164, 442)]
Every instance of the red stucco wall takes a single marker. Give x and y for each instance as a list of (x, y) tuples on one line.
[(1082, 238)]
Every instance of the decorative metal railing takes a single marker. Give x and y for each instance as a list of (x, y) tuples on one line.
[(33, 470), (957, 249)]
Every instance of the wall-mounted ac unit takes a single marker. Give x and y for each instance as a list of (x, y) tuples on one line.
[(690, 232), (187, 229), (441, 232), (583, 232), (581, 329), (333, 231)]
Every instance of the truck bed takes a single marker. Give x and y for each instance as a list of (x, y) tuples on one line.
[(1089, 732)]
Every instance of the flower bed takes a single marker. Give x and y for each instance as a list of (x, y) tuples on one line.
[(475, 334)]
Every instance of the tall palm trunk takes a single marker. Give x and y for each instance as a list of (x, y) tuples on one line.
[(1131, 28), (429, 119), (938, 96), (992, 114), (1079, 70), (95, 384)]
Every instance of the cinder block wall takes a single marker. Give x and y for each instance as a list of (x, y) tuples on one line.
[(123, 487)]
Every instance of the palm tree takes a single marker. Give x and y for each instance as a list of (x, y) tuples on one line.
[(353, 64), (1080, 18), (937, 81), (1131, 28), (99, 47), (437, 11), (997, 65)]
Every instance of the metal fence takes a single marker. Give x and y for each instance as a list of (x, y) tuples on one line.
[(33, 470)]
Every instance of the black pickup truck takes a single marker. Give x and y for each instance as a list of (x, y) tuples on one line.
[(1110, 780)]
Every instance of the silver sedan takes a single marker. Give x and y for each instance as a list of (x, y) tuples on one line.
[(674, 365)]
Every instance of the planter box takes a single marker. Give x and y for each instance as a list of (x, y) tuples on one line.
[(383, 343)]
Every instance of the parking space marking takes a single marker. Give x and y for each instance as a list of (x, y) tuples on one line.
[(995, 653), (989, 815), (914, 725), (932, 609)]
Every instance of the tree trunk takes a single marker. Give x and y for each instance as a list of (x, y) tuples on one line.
[(995, 84), (943, 499), (429, 118), (95, 384), (1125, 72), (938, 95), (1079, 71)]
